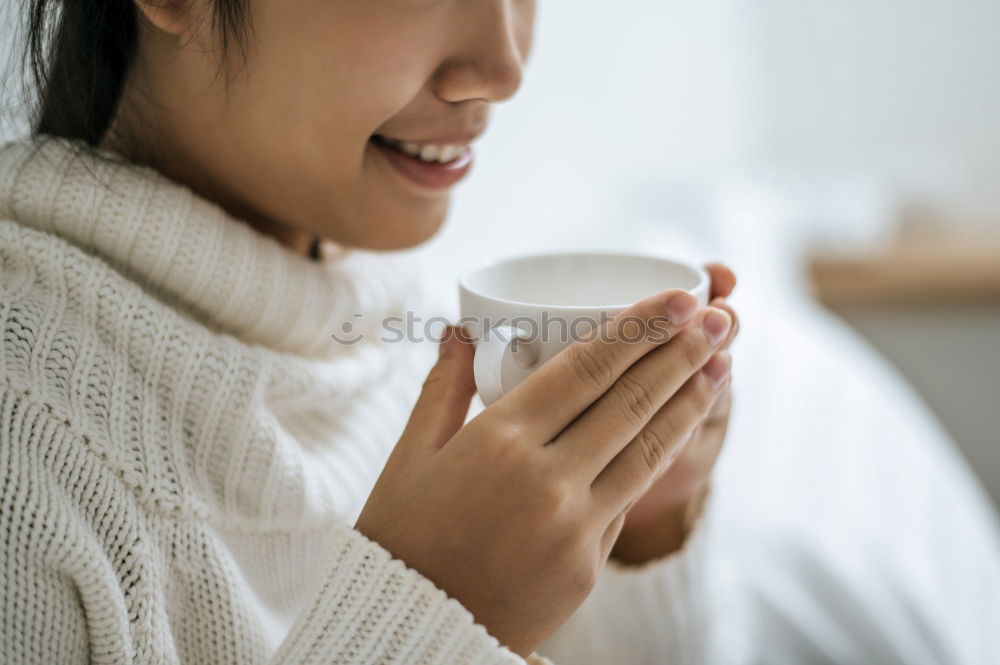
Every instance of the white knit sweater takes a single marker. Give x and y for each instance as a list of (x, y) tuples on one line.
[(184, 448)]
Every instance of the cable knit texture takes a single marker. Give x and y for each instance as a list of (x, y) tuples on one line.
[(184, 446)]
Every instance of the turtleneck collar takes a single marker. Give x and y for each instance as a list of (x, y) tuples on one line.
[(191, 252)]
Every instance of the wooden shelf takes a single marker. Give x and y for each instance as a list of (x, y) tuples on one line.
[(925, 269)]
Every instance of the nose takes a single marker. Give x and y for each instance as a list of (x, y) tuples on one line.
[(488, 61)]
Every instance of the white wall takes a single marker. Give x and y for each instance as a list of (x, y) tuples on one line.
[(904, 90), (635, 92), (628, 111), (640, 108)]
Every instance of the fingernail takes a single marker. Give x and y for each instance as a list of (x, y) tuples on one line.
[(681, 308), (716, 324), (717, 368)]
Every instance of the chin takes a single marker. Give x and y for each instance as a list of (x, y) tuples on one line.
[(398, 232)]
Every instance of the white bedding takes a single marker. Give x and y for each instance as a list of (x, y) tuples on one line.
[(846, 526)]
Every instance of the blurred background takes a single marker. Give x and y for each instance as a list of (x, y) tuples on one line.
[(845, 155)]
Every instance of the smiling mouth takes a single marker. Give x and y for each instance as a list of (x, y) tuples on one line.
[(425, 152), (429, 166)]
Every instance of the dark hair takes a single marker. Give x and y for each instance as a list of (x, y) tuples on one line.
[(77, 54)]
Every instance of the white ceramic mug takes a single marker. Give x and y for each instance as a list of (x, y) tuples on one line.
[(522, 311)]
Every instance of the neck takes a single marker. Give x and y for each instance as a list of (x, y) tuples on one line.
[(191, 253), (144, 138)]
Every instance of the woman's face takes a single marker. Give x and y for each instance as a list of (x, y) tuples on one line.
[(307, 135)]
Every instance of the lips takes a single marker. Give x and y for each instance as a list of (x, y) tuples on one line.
[(432, 166)]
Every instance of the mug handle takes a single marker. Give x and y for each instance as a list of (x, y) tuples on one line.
[(497, 349)]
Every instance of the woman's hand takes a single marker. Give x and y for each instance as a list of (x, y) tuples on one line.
[(657, 524), (514, 514)]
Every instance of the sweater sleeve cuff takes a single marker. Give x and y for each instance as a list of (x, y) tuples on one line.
[(371, 608), (668, 595), (691, 548), (658, 607)]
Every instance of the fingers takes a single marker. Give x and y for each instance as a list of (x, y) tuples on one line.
[(444, 400), (723, 304), (662, 439), (681, 479), (558, 391), (722, 407), (708, 434), (594, 439), (723, 280)]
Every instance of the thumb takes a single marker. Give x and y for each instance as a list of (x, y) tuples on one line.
[(444, 400)]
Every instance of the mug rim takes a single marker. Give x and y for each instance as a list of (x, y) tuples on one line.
[(463, 280)]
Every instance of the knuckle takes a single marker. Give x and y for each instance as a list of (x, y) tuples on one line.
[(670, 431), (553, 497), (693, 353), (635, 399), (498, 442), (691, 410), (688, 416), (734, 319), (703, 395), (510, 435), (721, 406), (697, 431), (592, 368), (435, 379), (653, 447)]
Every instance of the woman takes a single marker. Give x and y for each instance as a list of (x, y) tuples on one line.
[(185, 448)]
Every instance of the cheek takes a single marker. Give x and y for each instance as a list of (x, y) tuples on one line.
[(318, 84), (335, 71)]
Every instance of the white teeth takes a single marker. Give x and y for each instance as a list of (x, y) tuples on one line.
[(430, 153), (436, 154), (450, 153)]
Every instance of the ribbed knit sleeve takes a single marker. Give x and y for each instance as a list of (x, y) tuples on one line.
[(75, 587), (371, 608), (181, 434), (651, 614), (47, 571)]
